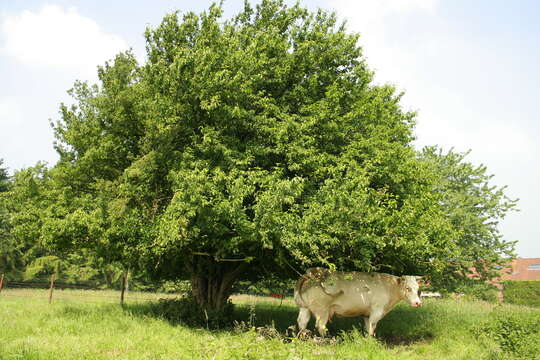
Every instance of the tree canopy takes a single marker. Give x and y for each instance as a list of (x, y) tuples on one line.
[(252, 145), (4, 177), (8, 257), (474, 208)]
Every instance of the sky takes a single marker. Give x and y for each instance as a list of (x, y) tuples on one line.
[(469, 69)]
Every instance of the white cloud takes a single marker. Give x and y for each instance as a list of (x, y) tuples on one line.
[(448, 79), (375, 21), (58, 37), (48, 49)]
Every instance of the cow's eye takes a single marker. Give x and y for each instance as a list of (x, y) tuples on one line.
[(408, 288)]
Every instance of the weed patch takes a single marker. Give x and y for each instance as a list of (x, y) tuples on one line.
[(517, 333), (522, 292)]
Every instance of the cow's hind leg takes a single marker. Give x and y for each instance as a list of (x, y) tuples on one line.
[(303, 318), (320, 324)]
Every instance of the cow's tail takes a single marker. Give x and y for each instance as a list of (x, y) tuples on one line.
[(298, 290)]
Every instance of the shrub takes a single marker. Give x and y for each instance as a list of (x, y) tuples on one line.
[(178, 286), (522, 292), (480, 290), (185, 310), (517, 333), (265, 287)]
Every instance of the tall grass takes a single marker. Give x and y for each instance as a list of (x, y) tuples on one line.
[(30, 328)]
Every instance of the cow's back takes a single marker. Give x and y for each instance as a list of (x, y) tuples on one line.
[(362, 292)]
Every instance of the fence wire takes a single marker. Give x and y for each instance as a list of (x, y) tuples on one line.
[(40, 289), (76, 292)]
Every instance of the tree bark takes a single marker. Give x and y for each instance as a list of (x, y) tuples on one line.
[(212, 281)]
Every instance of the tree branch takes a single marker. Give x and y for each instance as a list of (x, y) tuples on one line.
[(246, 259)]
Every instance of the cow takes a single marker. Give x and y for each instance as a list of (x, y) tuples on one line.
[(349, 294)]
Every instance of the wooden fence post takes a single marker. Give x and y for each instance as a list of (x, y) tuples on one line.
[(51, 288), (124, 281), (1, 282)]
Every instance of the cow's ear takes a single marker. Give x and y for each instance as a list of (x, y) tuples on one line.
[(420, 280)]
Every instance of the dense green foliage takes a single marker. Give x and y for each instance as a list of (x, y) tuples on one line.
[(477, 289), (267, 286), (4, 177), (522, 292), (245, 148), (517, 332), (25, 253), (9, 252), (474, 207)]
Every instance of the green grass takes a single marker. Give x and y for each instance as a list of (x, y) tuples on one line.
[(93, 326)]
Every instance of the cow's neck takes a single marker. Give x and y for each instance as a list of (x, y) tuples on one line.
[(392, 302)]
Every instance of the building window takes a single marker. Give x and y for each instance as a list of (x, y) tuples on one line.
[(534, 267)]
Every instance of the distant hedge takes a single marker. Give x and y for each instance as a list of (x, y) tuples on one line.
[(478, 289), (522, 292)]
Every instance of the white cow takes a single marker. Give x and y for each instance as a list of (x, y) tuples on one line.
[(372, 295)]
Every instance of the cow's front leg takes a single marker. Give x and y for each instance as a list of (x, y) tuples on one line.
[(371, 321), (321, 320), (366, 324), (303, 319)]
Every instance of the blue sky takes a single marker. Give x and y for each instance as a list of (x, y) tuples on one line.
[(470, 69)]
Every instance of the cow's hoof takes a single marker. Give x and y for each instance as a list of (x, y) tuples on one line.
[(305, 334), (291, 331)]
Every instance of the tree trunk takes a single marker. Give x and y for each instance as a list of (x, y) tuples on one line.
[(212, 281)]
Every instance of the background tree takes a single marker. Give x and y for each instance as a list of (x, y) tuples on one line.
[(474, 207), (251, 145), (4, 177), (9, 254), (24, 204), (39, 208)]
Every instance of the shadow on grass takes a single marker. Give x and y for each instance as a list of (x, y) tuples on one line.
[(258, 315), (265, 314), (406, 325), (401, 327)]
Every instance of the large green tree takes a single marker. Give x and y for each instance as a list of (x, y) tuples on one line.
[(254, 144)]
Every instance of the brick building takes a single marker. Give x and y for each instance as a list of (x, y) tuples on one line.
[(522, 269)]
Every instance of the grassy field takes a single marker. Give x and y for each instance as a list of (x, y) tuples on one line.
[(91, 325)]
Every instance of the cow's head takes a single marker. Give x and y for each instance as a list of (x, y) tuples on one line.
[(410, 290)]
